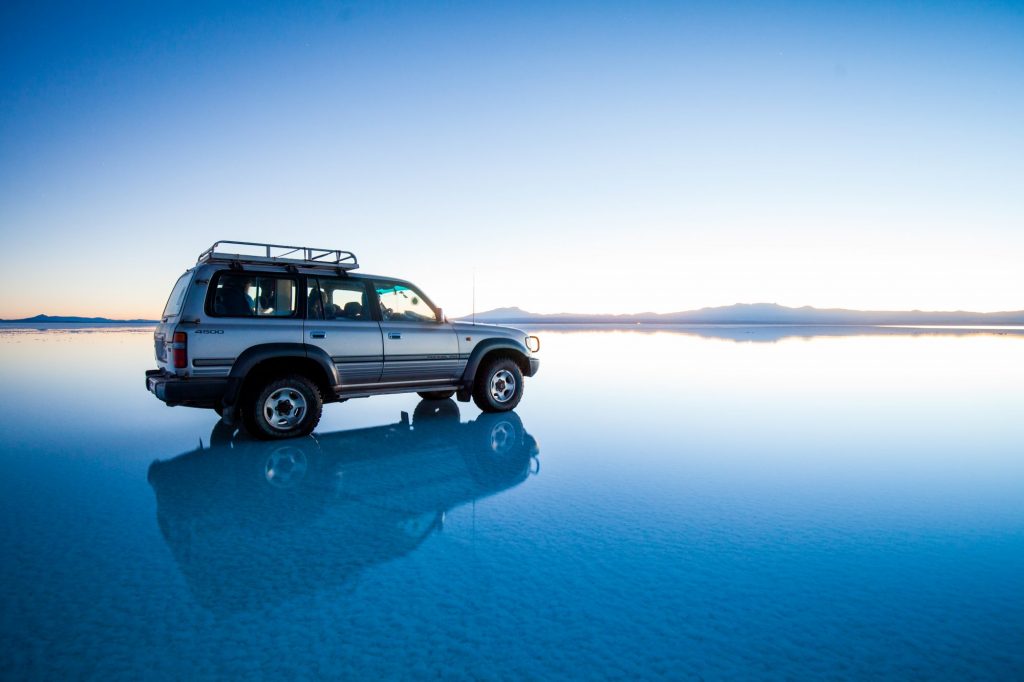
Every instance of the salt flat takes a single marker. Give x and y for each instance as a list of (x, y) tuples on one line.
[(664, 503)]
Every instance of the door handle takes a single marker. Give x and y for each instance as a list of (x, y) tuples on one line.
[(394, 335), (318, 335)]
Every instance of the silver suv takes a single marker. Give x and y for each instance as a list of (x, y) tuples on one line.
[(268, 337)]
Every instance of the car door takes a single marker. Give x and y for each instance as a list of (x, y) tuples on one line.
[(341, 320), (417, 347)]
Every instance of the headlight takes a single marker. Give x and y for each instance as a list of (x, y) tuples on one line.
[(533, 343)]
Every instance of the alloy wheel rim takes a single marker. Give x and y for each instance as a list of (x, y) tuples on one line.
[(285, 408), (503, 386)]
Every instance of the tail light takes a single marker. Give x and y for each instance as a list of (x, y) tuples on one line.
[(180, 350)]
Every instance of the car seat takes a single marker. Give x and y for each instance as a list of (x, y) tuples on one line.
[(353, 310), (314, 305), (233, 302)]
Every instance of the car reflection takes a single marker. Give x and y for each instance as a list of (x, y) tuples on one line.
[(251, 522)]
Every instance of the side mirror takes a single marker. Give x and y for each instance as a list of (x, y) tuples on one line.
[(440, 316)]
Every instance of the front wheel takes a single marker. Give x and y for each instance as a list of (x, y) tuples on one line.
[(285, 407), (498, 385)]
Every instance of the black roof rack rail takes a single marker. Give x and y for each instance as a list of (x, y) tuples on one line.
[(303, 256)]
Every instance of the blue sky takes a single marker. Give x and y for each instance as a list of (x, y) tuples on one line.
[(850, 155)]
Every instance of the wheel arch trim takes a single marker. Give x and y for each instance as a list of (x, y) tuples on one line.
[(488, 346), (256, 355)]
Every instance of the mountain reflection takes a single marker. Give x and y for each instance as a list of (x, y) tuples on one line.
[(252, 522)]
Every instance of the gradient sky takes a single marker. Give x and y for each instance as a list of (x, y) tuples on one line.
[(592, 157)]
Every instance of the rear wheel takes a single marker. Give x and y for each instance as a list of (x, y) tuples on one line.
[(498, 385), (436, 395), (284, 407)]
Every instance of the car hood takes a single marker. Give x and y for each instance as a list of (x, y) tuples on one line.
[(489, 330)]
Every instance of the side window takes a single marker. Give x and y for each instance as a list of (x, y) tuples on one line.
[(337, 299), (174, 301), (245, 295), (400, 302)]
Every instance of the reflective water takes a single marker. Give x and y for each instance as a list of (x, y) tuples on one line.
[(663, 504)]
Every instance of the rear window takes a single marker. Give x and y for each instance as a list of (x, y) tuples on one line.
[(252, 295), (177, 296)]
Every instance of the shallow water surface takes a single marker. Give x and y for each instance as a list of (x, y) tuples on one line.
[(661, 505)]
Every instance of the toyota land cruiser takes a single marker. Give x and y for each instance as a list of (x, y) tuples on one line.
[(268, 338)]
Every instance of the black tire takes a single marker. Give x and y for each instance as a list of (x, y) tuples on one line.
[(436, 395), (284, 407), (498, 385)]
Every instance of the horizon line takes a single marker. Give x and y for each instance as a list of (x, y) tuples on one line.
[(513, 310)]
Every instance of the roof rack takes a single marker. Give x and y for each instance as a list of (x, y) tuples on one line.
[(306, 256)]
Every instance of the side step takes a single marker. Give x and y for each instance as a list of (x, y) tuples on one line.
[(384, 389)]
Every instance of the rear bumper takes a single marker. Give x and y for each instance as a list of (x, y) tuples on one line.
[(534, 366), (175, 390)]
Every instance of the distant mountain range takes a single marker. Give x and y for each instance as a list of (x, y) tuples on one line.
[(760, 313), (66, 319)]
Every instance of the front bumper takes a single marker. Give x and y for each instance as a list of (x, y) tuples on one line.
[(175, 390)]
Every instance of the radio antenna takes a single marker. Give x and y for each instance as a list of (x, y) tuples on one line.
[(474, 295)]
